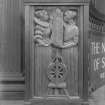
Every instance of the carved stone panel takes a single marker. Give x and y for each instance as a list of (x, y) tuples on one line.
[(55, 39)]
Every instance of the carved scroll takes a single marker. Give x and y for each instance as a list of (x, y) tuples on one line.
[(57, 27)]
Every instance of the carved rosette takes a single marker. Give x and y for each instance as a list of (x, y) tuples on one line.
[(57, 72)]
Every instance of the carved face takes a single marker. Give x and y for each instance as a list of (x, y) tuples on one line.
[(42, 14), (69, 15)]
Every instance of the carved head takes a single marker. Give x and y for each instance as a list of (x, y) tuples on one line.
[(58, 11), (69, 15), (42, 14)]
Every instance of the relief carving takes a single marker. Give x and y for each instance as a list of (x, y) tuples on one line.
[(71, 30), (42, 29), (44, 24), (58, 30), (57, 73)]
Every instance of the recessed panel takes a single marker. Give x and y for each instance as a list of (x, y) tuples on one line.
[(56, 40)]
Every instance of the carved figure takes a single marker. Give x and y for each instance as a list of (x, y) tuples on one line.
[(71, 31), (42, 27)]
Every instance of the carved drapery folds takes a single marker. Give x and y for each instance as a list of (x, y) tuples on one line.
[(56, 28)]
